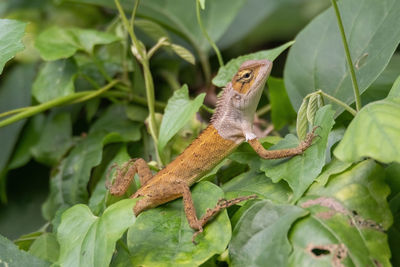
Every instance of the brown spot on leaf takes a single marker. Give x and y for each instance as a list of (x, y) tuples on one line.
[(336, 207), (328, 202)]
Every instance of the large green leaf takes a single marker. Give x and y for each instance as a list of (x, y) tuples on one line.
[(374, 132), (11, 256), (252, 182), (317, 59), (88, 240), (163, 237), (300, 171), (69, 184), (347, 222), (55, 139), (180, 109), (57, 43), (226, 72), (54, 80), (11, 32), (260, 236)]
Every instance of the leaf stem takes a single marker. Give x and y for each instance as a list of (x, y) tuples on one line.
[(210, 41), (337, 101), (69, 99), (348, 56), (143, 59), (265, 109), (13, 111)]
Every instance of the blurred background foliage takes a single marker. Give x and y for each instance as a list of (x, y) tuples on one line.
[(28, 147)]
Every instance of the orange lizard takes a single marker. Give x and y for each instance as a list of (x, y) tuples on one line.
[(230, 126)]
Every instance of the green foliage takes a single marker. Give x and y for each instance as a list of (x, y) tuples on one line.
[(162, 236), (87, 240), (57, 43), (282, 112), (11, 32), (381, 140), (94, 88), (323, 64), (11, 256), (179, 110), (226, 72)]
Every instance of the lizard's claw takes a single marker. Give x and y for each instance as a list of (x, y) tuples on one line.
[(196, 234)]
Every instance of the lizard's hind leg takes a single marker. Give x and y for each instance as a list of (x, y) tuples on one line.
[(126, 173), (190, 211)]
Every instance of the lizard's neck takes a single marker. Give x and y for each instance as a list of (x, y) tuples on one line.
[(233, 123)]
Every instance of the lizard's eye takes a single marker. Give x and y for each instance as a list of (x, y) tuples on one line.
[(245, 76)]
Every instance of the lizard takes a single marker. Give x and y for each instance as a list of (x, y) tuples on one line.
[(230, 125)]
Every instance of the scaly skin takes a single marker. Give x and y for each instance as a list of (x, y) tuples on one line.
[(230, 125)]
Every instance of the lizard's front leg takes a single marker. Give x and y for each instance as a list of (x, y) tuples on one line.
[(126, 173), (190, 211), (283, 153)]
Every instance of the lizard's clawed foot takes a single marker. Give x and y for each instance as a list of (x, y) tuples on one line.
[(307, 142), (196, 234)]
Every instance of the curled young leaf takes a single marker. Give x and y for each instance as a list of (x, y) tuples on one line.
[(302, 124), (183, 53), (312, 108)]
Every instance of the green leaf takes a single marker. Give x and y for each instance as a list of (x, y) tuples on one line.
[(14, 93), (11, 33), (282, 112), (57, 43), (179, 110), (300, 171), (317, 59), (32, 132), (395, 91), (69, 184), (334, 167), (252, 182), (162, 236), (136, 113), (55, 79), (55, 139), (183, 53), (88, 240), (152, 29), (260, 236), (301, 120), (100, 194), (46, 247), (11, 256), (226, 72), (351, 211), (374, 132)]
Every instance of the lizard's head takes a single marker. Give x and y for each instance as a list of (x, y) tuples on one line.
[(248, 83)]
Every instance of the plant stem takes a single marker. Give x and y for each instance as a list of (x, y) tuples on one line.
[(348, 56), (13, 111), (265, 109), (208, 109), (337, 101), (161, 42), (144, 60), (210, 41), (73, 98)]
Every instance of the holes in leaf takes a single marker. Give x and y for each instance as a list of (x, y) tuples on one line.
[(320, 252)]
